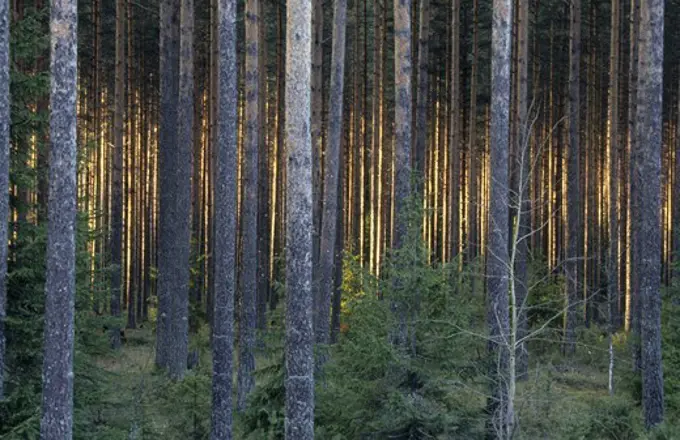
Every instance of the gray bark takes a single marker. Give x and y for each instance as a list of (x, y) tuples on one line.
[(633, 198), (402, 147), (299, 400), (647, 174), (248, 278), (422, 102), (182, 191), (174, 228), (225, 223), (613, 257), (573, 180), (317, 140), (472, 238), (497, 245), (4, 174), (329, 222), (263, 239), (521, 278), (60, 281), (117, 172)]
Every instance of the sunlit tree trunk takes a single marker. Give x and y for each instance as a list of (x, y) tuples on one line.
[(676, 194), (454, 133), (329, 223), (499, 404), (614, 255), (60, 282), (225, 223), (573, 179), (248, 276), (646, 176), (4, 174), (473, 154), (263, 239)]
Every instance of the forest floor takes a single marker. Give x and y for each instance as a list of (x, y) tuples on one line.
[(557, 397)]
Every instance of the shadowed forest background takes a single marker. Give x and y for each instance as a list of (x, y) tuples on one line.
[(344, 219)]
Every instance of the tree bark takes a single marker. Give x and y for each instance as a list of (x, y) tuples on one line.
[(117, 173), (500, 410), (4, 175), (472, 238), (676, 195), (299, 400), (614, 146), (573, 179), (524, 167), (454, 130), (647, 173), (422, 101), (60, 281), (329, 223), (402, 149), (248, 277), (225, 223)]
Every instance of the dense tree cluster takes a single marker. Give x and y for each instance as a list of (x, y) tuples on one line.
[(407, 219)]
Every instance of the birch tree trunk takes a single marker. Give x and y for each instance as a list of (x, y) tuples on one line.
[(60, 281), (225, 223), (299, 400)]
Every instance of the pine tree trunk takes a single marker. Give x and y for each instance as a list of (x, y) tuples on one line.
[(499, 410), (614, 255), (573, 179), (225, 223), (329, 223), (420, 134), (647, 167), (263, 239), (57, 400), (248, 276), (524, 168), (676, 195), (4, 175), (299, 400), (402, 148), (317, 136), (454, 130), (472, 239), (116, 245)]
